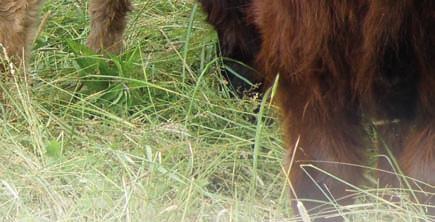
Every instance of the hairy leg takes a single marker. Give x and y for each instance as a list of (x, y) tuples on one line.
[(17, 21), (108, 22), (315, 95), (322, 138), (418, 162)]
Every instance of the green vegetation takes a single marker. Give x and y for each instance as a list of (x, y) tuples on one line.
[(152, 135)]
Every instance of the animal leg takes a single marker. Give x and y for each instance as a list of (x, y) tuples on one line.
[(108, 22), (323, 141), (17, 21)]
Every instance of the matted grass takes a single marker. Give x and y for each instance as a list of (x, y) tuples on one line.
[(153, 135)]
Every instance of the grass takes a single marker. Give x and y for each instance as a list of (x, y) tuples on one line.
[(152, 135)]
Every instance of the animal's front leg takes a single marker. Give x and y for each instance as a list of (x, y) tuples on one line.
[(325, 145), (108, 22), (17, 25), (418, 162)]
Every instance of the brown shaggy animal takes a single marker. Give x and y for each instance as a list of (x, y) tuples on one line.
[(18, 18), (338, 60)]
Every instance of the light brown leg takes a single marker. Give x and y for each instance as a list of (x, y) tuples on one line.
[(17, 21), (108, 22)]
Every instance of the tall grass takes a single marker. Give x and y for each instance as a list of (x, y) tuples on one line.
[(154, 134)]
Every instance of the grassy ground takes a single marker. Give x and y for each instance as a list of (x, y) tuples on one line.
[(153, 135)]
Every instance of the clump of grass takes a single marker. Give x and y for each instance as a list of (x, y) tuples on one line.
[(153, 134)]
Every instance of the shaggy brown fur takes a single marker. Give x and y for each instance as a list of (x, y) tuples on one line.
[(238, 38), (338, 59), (18, 17)]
